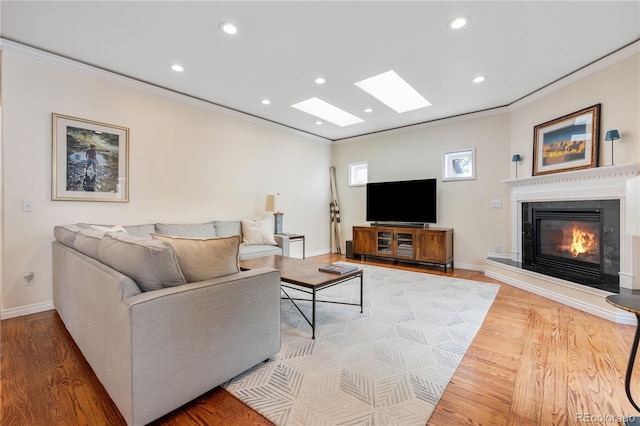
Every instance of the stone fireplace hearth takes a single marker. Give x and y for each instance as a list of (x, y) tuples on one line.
[(614, 263)]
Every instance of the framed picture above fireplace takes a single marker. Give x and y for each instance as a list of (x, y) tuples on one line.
[(567, 143)]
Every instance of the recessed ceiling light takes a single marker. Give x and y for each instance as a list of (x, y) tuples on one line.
[(479, 79), (390, 89), (328, 112), (318, 123), (177, 68), (266, 102), (320, 80), (228, 28), (367, 110), (458, 23)]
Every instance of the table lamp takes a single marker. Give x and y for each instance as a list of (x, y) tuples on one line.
[(612, 135), (516, 158), (276, 204)]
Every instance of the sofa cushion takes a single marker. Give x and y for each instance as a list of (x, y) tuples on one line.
[(258, 250), (227, 228), (88, 241), (151, 264), (187, 230), (204, 258), (258, 232)]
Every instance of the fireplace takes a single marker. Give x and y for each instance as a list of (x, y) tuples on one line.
[(578, 241)]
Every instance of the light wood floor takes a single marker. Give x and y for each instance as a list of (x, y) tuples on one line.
[(533, 362)]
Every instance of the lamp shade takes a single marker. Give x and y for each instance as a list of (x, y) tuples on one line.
[(632, 206), (277, 203), (612, 135), (516, 157)]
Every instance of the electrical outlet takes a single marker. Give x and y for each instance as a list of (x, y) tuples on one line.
[(498, 249), (29, 279)]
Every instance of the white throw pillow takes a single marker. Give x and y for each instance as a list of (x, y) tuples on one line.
[(258, 232), (105, 229)]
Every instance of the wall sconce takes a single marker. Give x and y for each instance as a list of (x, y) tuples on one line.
[(516, 158), (612, 135), (276, 204)]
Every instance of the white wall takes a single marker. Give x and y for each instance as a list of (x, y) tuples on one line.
[(616, 87), (464, 205), (188, 163)]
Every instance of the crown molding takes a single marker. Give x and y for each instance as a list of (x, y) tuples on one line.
[(148, 87)]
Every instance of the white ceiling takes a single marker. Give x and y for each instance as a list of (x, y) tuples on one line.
[(282, 46)]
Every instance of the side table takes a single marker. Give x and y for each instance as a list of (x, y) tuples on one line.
[(629, 303), (296, 237)]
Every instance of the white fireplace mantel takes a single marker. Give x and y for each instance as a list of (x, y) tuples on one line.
[(598, 183)]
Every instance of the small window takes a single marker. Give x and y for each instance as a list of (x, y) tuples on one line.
[(358, 173)]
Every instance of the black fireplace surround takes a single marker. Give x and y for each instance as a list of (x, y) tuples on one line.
[(578, 241)]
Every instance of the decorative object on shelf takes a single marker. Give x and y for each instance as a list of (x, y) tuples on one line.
[(459, 165), (90, 160), (612, 135), (276, 204), (570, 142), (516, 158)]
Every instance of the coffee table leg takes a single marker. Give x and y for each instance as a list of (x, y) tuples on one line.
[(361, 295), (313, 315)]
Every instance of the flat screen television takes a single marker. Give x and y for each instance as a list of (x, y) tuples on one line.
[(413, 201)]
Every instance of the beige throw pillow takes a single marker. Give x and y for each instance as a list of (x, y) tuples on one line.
[(258, 232), (204, 258)]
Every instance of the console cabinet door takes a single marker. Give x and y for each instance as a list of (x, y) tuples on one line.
[(364, 240), (404, 244), (432, 246)]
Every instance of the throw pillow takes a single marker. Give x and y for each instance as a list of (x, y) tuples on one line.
[(151, 264), (258, 232), (204, 258), (105, 229)]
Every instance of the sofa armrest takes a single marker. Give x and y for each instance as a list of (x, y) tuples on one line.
[(283, 242)]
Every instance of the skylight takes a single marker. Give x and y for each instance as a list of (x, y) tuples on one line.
[(328, 112), (390, 89)]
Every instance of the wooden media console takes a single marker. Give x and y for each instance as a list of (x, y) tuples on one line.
[(430, 245)]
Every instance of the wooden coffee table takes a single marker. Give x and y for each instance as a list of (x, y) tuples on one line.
[(303, 275)]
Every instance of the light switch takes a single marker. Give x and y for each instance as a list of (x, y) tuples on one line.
[(27, 206), (496, 204)]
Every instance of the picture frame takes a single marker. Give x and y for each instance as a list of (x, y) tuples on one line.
[(89, 161), (459, 165), (570, 142)]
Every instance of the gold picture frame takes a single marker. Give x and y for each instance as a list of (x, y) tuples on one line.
[(89, 161), (570, 142)]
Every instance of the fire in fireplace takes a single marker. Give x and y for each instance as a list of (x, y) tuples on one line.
[(574, 240)]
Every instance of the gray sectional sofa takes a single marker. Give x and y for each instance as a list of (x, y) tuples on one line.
[(155, 340)]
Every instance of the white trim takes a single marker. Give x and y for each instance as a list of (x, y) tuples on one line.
[(26, 310), (592, 68), (615, 315), (150, 88)]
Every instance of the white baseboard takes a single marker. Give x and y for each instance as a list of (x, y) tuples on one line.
[(26, 310), (617, 316)]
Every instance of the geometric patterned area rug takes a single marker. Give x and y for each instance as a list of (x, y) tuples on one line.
[(386, 366)]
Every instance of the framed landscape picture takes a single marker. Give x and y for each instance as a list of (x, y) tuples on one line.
[(90, 160), (567, 143)]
